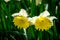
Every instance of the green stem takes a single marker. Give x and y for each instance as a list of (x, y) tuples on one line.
[(40, 35)]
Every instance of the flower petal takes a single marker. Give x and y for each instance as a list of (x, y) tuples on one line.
[(30, 20), (52, 17), (23, 13), (34, 19), (45, 14), (15, 14)]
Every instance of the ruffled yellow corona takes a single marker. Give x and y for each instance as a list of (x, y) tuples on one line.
[(43, 23), (21, 22)]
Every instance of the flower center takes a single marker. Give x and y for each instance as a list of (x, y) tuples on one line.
[(21, 22), (43, 23)]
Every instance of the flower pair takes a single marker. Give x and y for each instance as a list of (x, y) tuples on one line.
[(42, 22)]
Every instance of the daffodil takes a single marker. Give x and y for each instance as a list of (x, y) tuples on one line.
[(37, 2), (44, 21), (6, 0), (21, 19)]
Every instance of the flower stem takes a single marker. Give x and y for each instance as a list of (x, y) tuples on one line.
[(25, 34)]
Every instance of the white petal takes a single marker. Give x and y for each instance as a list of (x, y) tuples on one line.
[(15, 14), (23, 13), (52, 17), (30, 20), (34, 19), (45, 14)]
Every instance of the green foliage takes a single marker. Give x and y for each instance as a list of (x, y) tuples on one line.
[(9, 32)]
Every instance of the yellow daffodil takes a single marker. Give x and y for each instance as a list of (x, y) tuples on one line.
[(22, 12), (44, 21), (21, 19)]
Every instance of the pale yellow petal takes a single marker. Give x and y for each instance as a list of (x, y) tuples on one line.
[(15, 14), (45, 14), (23, 13), (34, 19)]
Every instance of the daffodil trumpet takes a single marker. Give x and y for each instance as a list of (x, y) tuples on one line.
[(21, 19), (44, 21)]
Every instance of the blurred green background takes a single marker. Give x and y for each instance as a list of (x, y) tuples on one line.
[(9, 32)]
